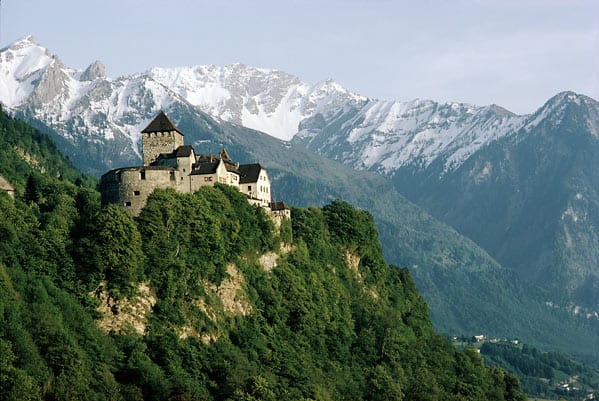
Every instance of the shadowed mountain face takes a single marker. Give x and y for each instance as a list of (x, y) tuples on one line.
[(530, 200)]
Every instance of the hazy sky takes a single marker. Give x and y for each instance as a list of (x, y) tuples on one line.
[(513, 53)]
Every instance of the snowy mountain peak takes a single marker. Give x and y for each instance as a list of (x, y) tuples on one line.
[(23, 42), (499, 111), (554, 110), (21, 64), (267, 100), (563, 99), (94, 71)]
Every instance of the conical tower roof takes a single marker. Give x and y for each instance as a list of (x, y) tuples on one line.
[(161, 123)]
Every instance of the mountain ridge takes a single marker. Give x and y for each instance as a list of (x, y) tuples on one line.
[(267, 100), (530, 200)]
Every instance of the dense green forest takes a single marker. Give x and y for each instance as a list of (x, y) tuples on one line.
[(180, 303)]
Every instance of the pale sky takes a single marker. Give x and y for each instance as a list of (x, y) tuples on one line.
[(514, 53)]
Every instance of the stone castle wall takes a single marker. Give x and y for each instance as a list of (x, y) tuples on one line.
[(130, 187)]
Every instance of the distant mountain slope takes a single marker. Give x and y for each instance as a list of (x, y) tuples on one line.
[(545, 375), (25, 151), (531, 200)]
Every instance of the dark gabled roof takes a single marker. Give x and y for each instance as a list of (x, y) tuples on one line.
[(249, 172), (208, 167), (181, 151), (161, 123), (276, 206), (202, 158)]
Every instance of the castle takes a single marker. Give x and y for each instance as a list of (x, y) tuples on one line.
[(168, 163)]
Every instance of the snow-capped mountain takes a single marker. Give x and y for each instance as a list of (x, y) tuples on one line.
[(82, 106), (266, 100), (362, 132), (385, 136), (530, 199)]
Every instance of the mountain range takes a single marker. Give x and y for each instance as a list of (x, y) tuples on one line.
[(446, 157)]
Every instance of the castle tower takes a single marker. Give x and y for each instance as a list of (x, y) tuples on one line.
[(160, 136)]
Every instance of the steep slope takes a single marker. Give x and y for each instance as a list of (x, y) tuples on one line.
[(25, 152), (531, 199)]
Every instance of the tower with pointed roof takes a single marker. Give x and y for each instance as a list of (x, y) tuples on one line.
[(160, 136)]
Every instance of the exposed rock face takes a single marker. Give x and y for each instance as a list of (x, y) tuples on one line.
[(232, 294), (123, 315), (52, 87), (7, 187), (29, 159), (353, 261), (95, 70), (269, 261)]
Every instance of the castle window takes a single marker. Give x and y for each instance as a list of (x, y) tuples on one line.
[(249, 187), (136, 193), (127, 203), (142, 174), (172, 175)]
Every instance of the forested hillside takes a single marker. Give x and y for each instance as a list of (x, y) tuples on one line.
[(25, 152), (543, 374), (200, 298)]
